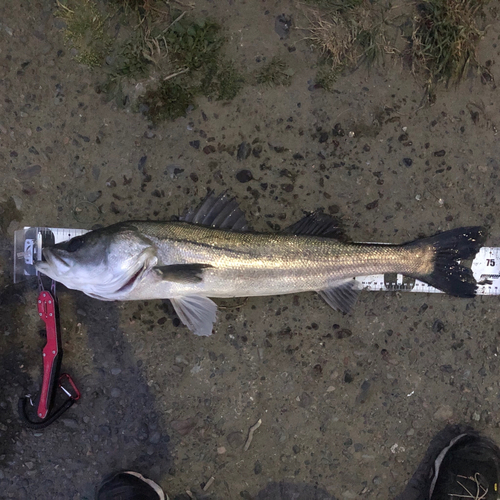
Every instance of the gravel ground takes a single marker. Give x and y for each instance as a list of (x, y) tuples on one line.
[(348, 402)]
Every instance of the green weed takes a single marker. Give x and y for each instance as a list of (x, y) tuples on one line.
[(445, 37), (276, 72), (168, 101)]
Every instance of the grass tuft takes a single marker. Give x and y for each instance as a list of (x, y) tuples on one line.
[(445, 37)]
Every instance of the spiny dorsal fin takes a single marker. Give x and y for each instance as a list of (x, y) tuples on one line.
[(219, 211), (317, 224)]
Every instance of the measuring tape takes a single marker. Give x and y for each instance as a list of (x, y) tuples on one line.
[(485, 268), (29, 242)]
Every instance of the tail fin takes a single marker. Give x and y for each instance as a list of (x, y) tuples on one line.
[(452, 247)]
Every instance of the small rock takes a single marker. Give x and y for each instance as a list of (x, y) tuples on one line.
[(438, 326), (282, 25), (116, 371), (155, 438), (209, 149), (70, 422), (195, 144), (476, 416), (408, 162), (443, 413), (440, 153), (244, 176), (116, 392), (323, 137), (221, 450), (244, 150), (184, 427), (173, 171), (29, 172), (305, 400), (257, 469), (235, 439), (372, 204), (93, 197)]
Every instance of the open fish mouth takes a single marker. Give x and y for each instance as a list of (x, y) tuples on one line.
[(130, 284)]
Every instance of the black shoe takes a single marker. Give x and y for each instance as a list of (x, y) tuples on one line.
[(128, 485), (460, 464)]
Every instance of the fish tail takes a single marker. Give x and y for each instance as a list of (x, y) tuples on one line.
[(449, 249)]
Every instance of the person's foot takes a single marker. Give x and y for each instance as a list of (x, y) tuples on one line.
[(128, 485), (460, 463)]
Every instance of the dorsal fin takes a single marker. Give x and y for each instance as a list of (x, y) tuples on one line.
[(221, 212), (317, 224)]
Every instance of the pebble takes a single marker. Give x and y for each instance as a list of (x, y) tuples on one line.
[(116, 371), (155, 438), (438, 326), (443, 413), (221, 450), (94, 196), (173, 171), (476, 416), (235, 439), (408, 162), (282, 25), (116, 392), (305, 400), (257, 469), (244, 176), (244, 150), (70, 423), (29, 172)]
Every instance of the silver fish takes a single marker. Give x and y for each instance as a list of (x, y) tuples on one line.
[(211, 253)]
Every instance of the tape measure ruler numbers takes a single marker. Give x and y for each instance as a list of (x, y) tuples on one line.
[(29, 242)]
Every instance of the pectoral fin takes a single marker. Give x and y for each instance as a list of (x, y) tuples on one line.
[(182, 273), (342, 297), (197, 313)]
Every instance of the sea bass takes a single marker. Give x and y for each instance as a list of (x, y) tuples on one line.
[(210, 252)]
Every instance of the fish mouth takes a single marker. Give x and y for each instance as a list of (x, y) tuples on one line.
[(52, 261), (130, 284)]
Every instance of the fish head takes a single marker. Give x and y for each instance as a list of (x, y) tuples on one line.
[(106, 263)]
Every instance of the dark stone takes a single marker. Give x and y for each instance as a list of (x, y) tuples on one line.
[(323, 137), (195, 144), (244, 150), (438, 326), (244, 176), (371, 205), (408, 162), (282, 25), (257, 467), (439, 153)]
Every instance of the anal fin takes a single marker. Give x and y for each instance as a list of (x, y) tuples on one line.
[(341, 297), (198, 313)]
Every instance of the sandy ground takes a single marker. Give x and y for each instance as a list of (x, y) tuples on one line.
[(348, 402)]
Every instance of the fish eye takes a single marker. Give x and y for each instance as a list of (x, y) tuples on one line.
[(75, 243)]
